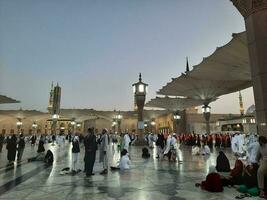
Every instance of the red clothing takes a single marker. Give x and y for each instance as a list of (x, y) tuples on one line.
[(212, 183), (238, 169)]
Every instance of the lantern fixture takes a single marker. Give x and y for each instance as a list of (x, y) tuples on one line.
[(34, 125), (206, 109), (55, 116), (176, 117), (140, 88)]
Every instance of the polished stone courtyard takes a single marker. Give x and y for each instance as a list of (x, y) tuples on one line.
[(148, 179)]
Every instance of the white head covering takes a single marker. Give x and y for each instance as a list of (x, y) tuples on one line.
[(76, 138)]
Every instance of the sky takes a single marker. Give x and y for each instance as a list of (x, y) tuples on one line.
[(95, 49)]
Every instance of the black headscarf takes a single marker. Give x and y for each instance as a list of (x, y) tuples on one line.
[(222, 164)]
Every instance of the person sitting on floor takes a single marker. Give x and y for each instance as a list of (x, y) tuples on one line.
[(213, 181), (250, 182), (250, 185), (125, 161), (236, 175), (222, 164), (49, 158), (145, 153)]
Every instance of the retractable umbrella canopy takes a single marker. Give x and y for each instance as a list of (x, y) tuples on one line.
[(226, 71), (173, 104), (6, 100), (202, 89), (229, 62)]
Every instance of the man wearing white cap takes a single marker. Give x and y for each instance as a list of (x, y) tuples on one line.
[(75, 153)]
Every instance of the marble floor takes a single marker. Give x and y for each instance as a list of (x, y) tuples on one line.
[(148, 179)]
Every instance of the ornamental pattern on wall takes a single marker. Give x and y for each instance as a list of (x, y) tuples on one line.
[(248, 7)]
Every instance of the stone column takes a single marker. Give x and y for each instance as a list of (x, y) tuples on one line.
[(140, 101), (207, 119), (255, 15)]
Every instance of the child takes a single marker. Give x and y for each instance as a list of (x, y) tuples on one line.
[(75, 153)]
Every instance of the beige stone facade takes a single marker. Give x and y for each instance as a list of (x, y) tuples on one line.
[(164, 122)]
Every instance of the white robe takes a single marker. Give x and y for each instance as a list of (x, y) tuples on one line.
[(241, 143), (125, 162), (206, 150), (195, 150), (235, 144), (150, 140), (174, 143), (127, 141), (253, 151), (168, 145)]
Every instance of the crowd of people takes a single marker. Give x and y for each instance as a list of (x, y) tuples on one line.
[(249, 172), (247, 175)]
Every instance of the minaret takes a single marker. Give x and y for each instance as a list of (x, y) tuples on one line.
[(187, 66), (56, 100), (241, 104), (51, 97)]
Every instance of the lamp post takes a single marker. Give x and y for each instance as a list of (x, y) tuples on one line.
[(19, 124), (153, 126), (118, 119), (55, 117), (114, 123), (176, 119), (34, 127), (79, 126), (206, 114), (140, 90), (73, 124)]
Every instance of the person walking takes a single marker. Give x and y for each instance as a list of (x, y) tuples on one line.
[(33, 140), (21, 146), (90, 146), (127, 141), (41, 148), (75, 153), (262, 171), (103, 151), (160, 145), (11, 148)]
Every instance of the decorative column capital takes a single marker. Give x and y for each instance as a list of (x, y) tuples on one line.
[(248, 7)]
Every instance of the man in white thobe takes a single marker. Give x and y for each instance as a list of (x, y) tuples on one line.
[(127, 141), (253, 150)]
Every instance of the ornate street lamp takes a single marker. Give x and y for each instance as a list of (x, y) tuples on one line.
[(118, 118), (140, 91), (153, 125), (19, 124), (206, 113), (73, 124), (176, 119), (34, 127), (78, 125)]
